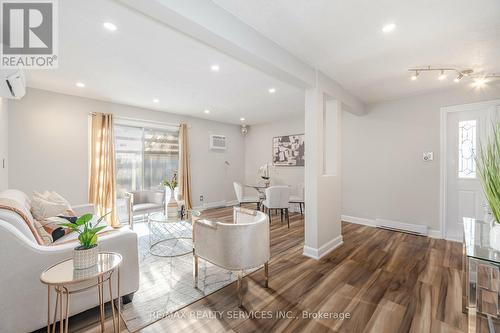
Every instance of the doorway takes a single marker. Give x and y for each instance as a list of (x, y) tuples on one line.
[(463, 128)]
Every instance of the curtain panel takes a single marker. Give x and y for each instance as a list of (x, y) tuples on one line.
[(184, 168), (102, 184)]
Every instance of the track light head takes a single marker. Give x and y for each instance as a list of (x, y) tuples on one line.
[(459, 77), (442, 76), (414, 77)]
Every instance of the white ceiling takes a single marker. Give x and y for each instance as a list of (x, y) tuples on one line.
[(345, 41), (144, 60)]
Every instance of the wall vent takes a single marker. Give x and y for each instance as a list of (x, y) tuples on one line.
[(218, 142)]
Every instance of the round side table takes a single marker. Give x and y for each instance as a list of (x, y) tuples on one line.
[(65, 279)]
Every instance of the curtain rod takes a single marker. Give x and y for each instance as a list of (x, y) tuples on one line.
[(143, 120)]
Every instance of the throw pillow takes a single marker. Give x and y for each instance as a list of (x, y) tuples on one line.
[(48, 204)]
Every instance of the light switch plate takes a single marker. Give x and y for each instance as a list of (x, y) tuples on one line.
[(428, 156)]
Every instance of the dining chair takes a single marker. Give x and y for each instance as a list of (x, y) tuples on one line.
[(277, 198), (299, 198), (238, 189)]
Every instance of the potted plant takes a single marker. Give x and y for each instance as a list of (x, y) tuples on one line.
[(488, 167), (171, 206), (86, 254)]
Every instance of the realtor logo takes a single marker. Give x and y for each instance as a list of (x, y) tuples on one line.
[(29, 33)]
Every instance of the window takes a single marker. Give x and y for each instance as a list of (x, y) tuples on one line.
[(467, 149), (144, 157)]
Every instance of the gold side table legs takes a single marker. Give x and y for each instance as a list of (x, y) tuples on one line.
[(63, 295)]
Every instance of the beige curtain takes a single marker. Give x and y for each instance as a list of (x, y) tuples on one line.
[(102, 185), (184, 170)]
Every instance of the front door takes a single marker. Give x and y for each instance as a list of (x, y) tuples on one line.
[(465, 130)]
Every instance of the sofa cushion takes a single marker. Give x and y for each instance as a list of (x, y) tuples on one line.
[(145, 207)]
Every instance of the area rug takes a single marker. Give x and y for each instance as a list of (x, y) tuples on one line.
[(166, 283)]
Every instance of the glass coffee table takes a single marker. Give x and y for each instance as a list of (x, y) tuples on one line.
[(481, 262), (169, 237)]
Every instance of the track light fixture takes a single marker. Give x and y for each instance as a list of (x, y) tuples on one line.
[(482, 78)]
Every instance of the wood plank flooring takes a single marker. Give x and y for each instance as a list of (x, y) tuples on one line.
[(378, 280)]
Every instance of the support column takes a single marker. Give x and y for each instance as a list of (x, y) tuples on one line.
[(322, 173)]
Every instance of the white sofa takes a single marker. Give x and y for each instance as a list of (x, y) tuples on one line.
[(243, 244), (22, 260)]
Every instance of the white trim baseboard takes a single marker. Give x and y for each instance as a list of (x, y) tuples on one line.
[(358, 220), (324, 249), (432, 233)]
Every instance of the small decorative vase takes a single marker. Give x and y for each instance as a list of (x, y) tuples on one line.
[(85, 258), (495, 236), (172, 207)]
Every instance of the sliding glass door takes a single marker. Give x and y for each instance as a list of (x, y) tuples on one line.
[(144, 157)]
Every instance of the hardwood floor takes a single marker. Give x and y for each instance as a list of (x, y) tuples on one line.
[(378, 281)]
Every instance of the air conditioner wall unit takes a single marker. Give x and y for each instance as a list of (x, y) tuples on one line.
[(13, 84), (218, 142)]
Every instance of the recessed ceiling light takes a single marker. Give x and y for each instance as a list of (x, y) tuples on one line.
[(242, 119), (414, 77), (442, 76), (215, 68), (388, 28), (207, 111), (272, 90), (110, 26), (156, 100), (80, 85)]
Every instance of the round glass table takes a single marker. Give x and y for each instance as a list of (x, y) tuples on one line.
[(169, 237), (66, 281)]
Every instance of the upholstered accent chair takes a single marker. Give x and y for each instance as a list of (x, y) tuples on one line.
[(277, 199), (243, 244), (238, 189), (144, 202), (298, 197)]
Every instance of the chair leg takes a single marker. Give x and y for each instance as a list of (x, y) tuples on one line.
[(195, 270), (300, 205), (287, 217), (258, 205), (240, 293), (266, 274), (281, 215)]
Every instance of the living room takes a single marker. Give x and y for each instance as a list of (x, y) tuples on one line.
[(192, 166)]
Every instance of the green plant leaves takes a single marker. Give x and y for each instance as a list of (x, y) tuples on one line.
[(87, 233), (488, 166)]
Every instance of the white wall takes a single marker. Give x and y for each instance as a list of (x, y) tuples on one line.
[(48, 141), (258, 151), (383, 172), (4, 181)]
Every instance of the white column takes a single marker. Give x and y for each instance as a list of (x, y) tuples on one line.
[(322, 173)]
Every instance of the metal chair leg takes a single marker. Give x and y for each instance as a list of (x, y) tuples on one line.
[(240, 293), (266, 274), (195, 270), (287, 217)]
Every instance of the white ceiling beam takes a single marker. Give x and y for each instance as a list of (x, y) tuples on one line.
[(210, 24)]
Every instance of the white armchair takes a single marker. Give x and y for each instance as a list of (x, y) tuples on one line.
[(278, 198), (244, 244)]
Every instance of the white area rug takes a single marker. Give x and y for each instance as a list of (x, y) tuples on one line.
[(166, 284)]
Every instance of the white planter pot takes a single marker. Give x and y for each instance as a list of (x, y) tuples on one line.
[(83, 259), (495, 236), (171, 206)]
